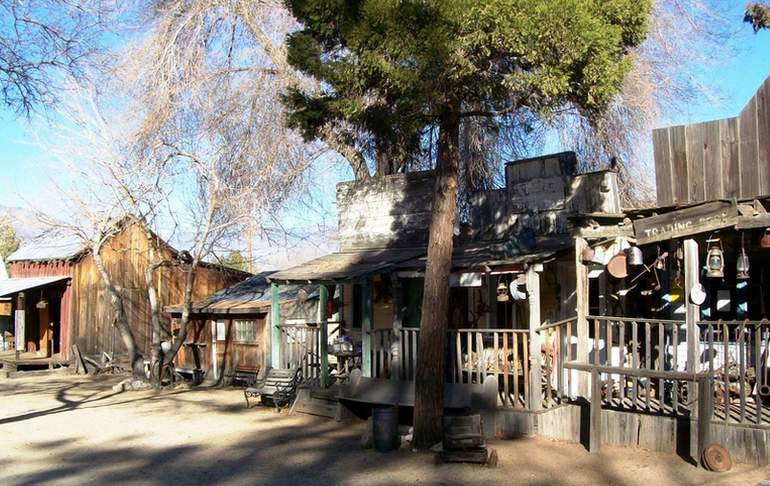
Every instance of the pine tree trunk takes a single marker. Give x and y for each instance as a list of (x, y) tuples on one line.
[(429, 381)]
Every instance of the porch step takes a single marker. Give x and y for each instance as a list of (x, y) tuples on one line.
[(309, 404)]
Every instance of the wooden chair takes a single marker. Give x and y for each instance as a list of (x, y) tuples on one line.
[(278, 386)]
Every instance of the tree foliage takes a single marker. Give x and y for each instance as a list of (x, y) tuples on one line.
[(410, 74), (758, 15)]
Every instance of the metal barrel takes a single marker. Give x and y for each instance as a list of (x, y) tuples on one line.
[(385, 421)]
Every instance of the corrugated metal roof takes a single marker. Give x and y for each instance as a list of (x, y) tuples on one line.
[(14, 285), (61, 247), (247, 297), (345, 265)]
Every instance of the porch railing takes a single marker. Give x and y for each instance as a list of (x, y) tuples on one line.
[(735, 354), (471, 356), (301, 347)]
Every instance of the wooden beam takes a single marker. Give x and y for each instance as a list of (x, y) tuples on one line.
[(581, 308), (275, 330), (535, 374), (686, 222), (595, 433), (692, 316)]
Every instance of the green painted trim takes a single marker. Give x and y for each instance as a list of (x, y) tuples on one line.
[(366, 328), (275, 330), (323, 297)]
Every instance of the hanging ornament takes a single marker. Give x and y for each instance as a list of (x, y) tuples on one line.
[(765, 241), (715, 259), (516, 293), (660, 262)]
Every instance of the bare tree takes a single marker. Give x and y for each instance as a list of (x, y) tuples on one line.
[(45, 41)]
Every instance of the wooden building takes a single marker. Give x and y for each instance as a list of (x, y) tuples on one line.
[(85, 317), (229, 339)]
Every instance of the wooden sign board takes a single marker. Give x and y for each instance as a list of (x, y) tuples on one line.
[(685, 222), (20, 325), (545, 193)]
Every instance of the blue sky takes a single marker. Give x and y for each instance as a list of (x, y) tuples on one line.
[(25, 170)]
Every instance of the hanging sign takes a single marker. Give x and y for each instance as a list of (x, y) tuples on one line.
[(684, 222)]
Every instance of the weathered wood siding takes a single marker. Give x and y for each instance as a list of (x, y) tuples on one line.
[(87, 317), (539, 196), (385, 212), (716, 159), (24, 269)]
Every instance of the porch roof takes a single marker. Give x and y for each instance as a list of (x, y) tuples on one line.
[(251, 296), (489, 254), (346, 265), (12, 286)]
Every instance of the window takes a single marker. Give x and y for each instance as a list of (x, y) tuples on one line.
[(246, 331), (221, 330)]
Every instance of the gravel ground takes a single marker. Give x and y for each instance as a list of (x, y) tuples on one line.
[(64, 429)]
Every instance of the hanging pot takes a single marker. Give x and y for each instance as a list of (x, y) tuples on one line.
[(635, 257), (617, 266)]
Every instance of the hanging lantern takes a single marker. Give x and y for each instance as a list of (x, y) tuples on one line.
[(635, 257), (742, 266), (715, 260), (765, 241), (502, 292)]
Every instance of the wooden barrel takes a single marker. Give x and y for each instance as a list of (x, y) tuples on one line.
[(385, 422)]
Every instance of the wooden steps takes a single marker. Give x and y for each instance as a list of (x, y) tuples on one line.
[(318, 403)]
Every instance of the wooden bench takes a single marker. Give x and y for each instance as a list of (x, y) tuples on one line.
[(245, 375), (278, 386)]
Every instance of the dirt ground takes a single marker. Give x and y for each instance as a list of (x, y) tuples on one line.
[(64, 429)]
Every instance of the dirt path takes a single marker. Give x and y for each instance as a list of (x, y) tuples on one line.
[(63, 429)]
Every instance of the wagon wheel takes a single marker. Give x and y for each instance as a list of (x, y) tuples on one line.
[(716, 458)]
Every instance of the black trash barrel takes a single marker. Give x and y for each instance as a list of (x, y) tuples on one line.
[(385, 421)]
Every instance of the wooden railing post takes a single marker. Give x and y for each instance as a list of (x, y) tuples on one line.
[(705, 411), (275, 329), (366, 328), (581, 307), (595, 434), (535, 373), (323, 297), (691, 275)]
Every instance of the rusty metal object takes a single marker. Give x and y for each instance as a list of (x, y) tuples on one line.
[(716, 458), (617, 266)]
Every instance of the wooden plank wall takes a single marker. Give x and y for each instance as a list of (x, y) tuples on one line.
[(716, 159), (385, 212), (125, 257)]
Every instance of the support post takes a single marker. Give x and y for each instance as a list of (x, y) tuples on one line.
[(275, 329), (691, 278), (323, 297), (395, 364), (535, 365), (581, 308), (705, 411), (595, 434), (366, 328)]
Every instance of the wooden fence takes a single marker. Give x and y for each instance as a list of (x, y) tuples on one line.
[(301, 346)]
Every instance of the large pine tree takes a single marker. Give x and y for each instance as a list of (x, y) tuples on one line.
[(395, 69)]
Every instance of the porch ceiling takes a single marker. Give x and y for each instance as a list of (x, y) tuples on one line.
[(12, 286), (346, 266)]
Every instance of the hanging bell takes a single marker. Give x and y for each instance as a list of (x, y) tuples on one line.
[(502, 292), (635, 257), (742, 266), (715, 261)]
